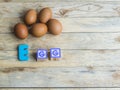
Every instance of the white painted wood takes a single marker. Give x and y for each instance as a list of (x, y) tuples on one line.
[(64, 41), (24, 1), (90, 44), (60, 89), (70, 58), (64, 9), (68, 88), (63, 77), (71, 24)]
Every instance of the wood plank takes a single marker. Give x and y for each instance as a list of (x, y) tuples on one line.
[(112, 88), (31, 88), (64, 9), (68, 88), (80, 66), (63, 77), (71, 24), (24, 1), (70, 58), (64, 41)]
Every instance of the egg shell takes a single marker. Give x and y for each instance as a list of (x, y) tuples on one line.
[(21, 31), (39, 29), (30, 17), (44, 15), (54, 26)]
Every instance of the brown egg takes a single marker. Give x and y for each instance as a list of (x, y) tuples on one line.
[(39, 29), (21, 31), (30, 17), (44, 15), (54, 26)]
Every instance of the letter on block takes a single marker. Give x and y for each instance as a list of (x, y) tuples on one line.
[(41, 54), (23, 52), (55, 53)]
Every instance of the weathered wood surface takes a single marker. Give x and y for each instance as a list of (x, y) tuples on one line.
[(60, 88), (70, 58), (24, 1), (64, 41), (63, 9), (60, 77), (71, 24), (90, 44)]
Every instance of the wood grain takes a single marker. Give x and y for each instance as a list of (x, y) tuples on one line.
[(90, 44), (64, 41), (60, 88), (70, 58), (71, 24), (64, 77), (64, 9), (24, 1)]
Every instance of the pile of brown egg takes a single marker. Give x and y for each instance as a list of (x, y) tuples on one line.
[(40, 24)]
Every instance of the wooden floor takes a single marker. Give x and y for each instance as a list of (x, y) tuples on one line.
[(90, 44)]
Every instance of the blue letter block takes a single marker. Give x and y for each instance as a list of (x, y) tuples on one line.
[(41, 54), (55, 53), (23, 52)]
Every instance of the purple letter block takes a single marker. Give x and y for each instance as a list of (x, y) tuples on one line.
[(41, 54), (55, 53)]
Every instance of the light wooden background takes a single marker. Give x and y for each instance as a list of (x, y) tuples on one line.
[(90, 44)]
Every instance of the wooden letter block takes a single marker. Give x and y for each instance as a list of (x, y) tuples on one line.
[(55, 53), (23, 52), (41, 54)]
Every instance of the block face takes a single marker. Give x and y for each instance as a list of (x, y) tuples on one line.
[(41, 54), (23, 53), (55, 53)]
